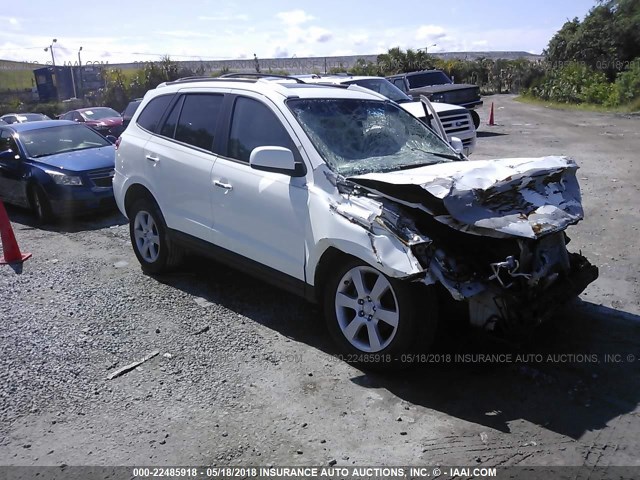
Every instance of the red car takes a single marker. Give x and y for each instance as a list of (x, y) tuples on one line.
[(103, 119)]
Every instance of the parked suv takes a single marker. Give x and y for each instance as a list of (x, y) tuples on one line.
[(343, 197), (456, 120), (438, 87)]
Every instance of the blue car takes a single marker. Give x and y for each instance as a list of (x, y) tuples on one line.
[(56, 168)]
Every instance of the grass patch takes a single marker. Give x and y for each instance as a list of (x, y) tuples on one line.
[(12, 80), (581, 107)]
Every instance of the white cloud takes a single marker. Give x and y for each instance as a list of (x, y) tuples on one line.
[(294, 17), (13, 22), (430, 32), (185, 34), (319, 35), (358, 38), (280, 52), (224, 18)]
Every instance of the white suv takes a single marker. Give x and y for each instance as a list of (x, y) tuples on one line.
[(340, 195)]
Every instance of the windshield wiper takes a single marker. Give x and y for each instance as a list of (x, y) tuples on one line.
[(437, 154)]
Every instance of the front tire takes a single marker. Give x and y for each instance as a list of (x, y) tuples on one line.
[(376, 319), (40, 205), (149, 239)]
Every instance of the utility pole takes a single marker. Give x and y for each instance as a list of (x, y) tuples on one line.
[(54, 77), (50, 48), (80, 72)]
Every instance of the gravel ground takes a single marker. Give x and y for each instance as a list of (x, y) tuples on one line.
[(245, 374)]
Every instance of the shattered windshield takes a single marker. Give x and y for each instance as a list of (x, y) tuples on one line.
[(356, 136)]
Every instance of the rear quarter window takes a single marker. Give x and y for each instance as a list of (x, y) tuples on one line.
[(150, 117)]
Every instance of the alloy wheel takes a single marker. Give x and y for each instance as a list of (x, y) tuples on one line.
[(367, 309)]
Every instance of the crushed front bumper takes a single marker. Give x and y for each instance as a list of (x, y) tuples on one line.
[(514, 312)]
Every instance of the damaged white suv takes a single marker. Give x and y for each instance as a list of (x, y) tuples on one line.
[(343, 197)]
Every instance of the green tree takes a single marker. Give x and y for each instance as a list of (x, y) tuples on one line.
[(398, 61), (607, 39), (363, 67), (116, 94)]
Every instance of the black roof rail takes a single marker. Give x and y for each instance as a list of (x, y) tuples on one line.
[(193, 77), (260, 75), (203, 79), (328, 83)]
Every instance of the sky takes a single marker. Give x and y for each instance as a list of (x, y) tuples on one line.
[(118, 31)]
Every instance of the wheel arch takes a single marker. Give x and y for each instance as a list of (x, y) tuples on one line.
[(135, 192), (397, 261)]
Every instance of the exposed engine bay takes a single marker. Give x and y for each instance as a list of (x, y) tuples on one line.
[(492, 233)]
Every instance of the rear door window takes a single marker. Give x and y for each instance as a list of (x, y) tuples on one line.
[(198, 120), (194, 119)]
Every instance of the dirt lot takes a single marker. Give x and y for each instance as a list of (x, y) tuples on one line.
[(245, 373)]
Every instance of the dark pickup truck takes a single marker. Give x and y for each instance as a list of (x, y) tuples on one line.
[(438, 87)]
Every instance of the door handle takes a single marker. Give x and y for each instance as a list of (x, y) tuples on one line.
[(153, 159), (226, 186)]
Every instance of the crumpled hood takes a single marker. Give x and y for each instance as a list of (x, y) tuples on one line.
[(520, 197)]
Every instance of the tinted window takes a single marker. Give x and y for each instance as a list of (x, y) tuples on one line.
[(169, 127), (131, 109), (153, 112), (198, 120), (383, 87), (398, 82), (254, 125), (428, 78), (8, 143)]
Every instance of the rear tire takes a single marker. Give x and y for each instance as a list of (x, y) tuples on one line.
[(151, 244), (377, 320), (40, 205)]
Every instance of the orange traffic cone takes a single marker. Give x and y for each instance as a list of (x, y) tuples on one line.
[(491, 121), (10, 247)]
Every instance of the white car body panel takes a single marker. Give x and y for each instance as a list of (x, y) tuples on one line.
[(190, 209)]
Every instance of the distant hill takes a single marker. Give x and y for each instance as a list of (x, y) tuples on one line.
[(491, 55), (292, 65), (11, 65)]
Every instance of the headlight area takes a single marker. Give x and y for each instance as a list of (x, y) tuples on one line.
[(62, 179)]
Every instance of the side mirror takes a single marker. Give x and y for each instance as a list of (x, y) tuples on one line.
[(8, 155), (276, 159), (457, 145)]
